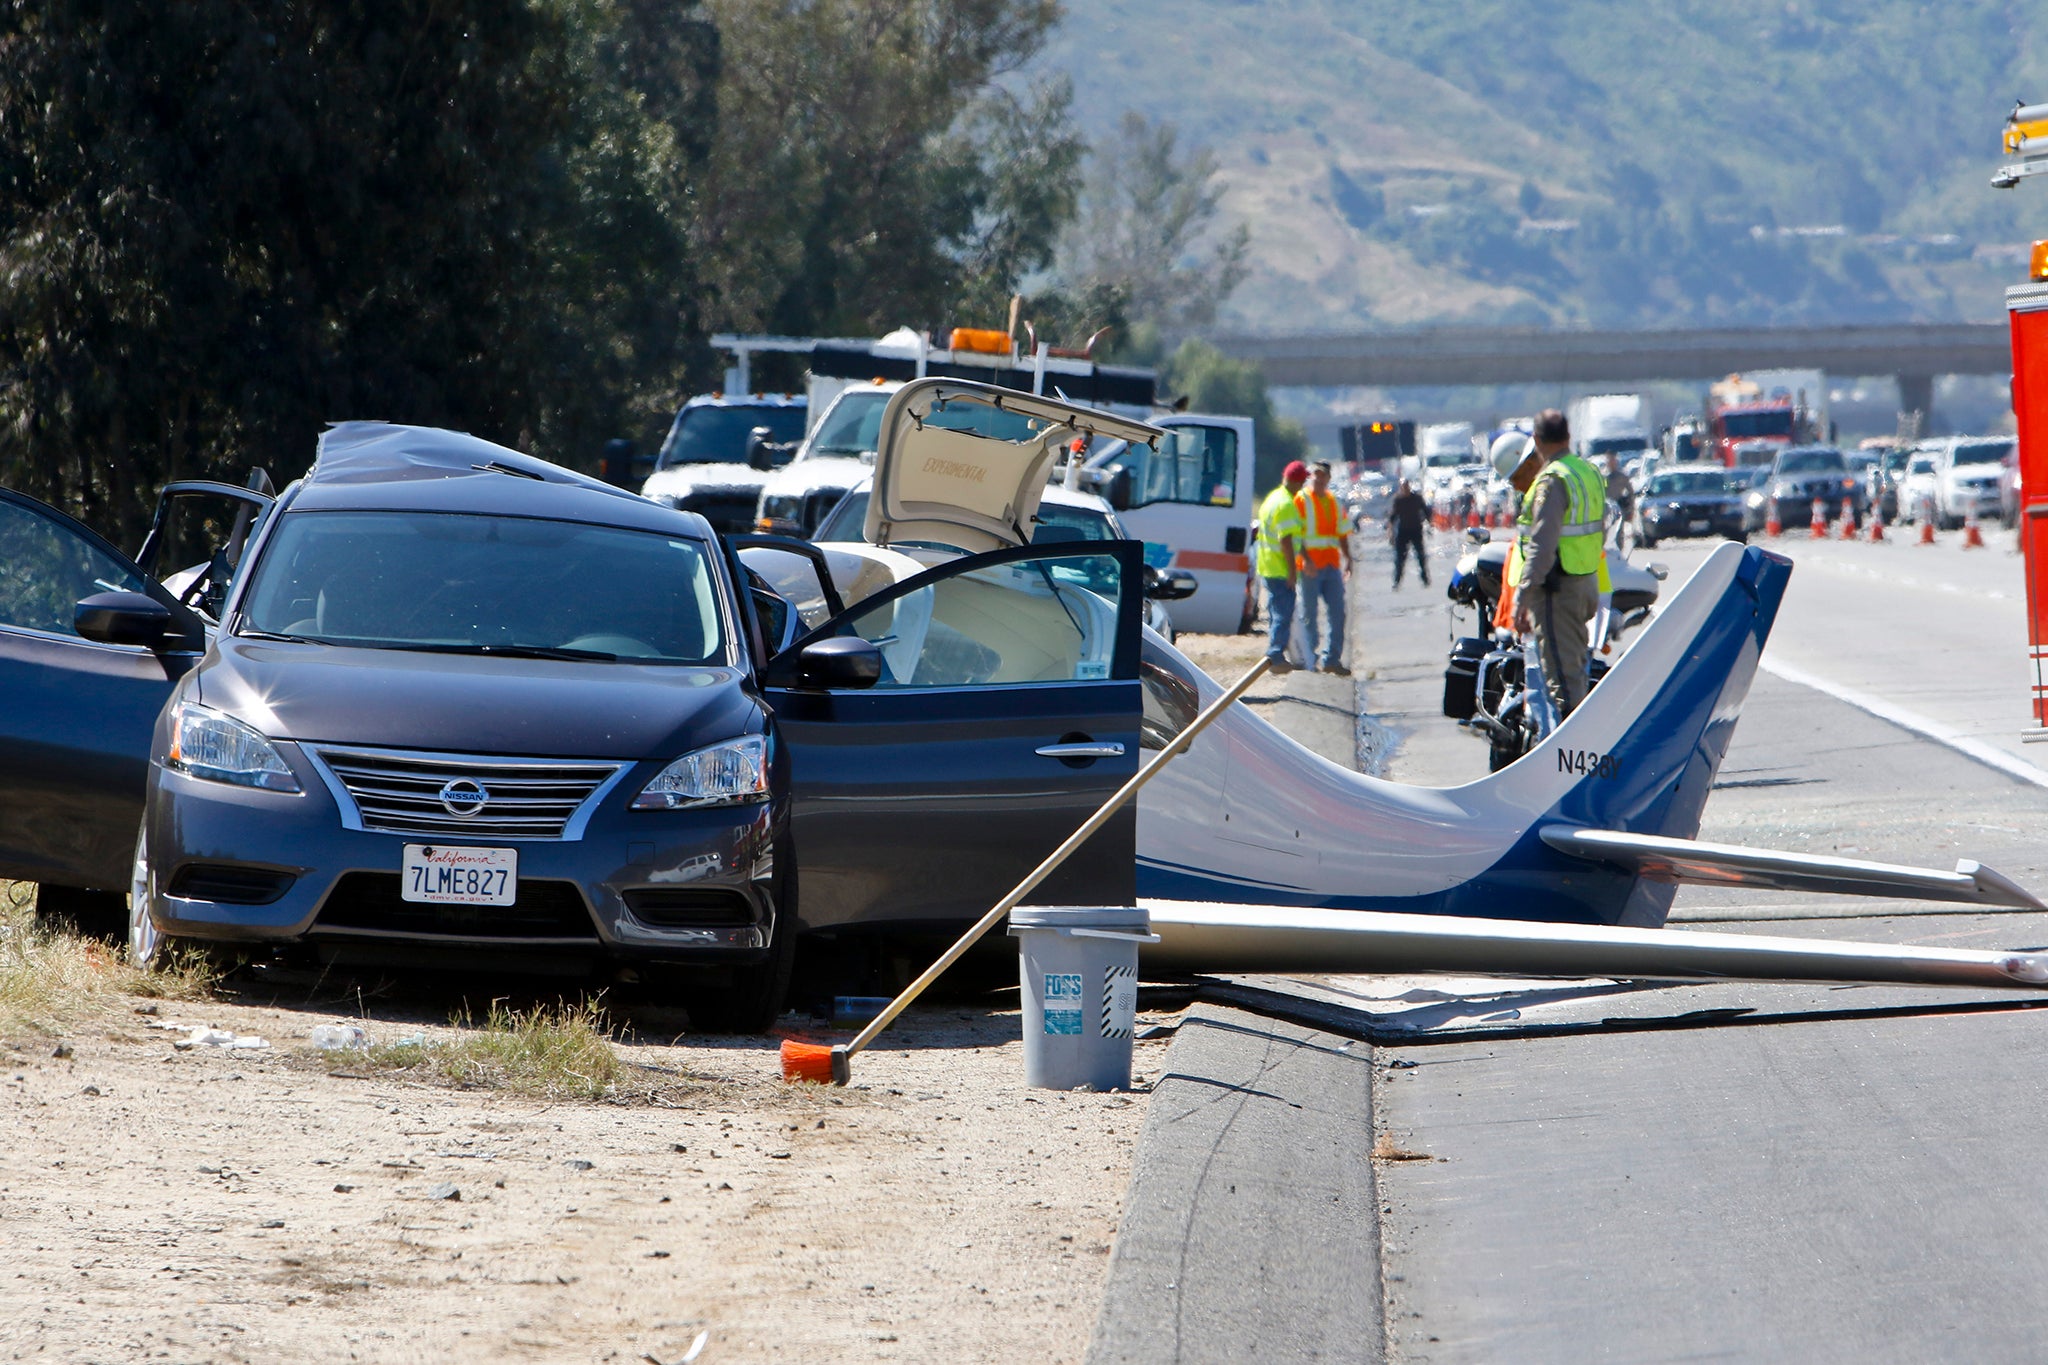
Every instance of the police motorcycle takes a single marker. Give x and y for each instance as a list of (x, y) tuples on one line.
[(1493, 683)]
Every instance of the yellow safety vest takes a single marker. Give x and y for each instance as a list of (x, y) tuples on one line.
[(1322, 542), (1278, 517), (1579, 546)]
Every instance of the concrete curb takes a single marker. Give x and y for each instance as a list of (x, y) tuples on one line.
[(1251, 1229)]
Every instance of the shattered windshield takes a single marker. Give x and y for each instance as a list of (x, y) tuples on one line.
[(455, 583)]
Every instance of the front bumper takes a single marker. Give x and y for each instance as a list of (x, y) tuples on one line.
[(1664, 524), (263, 868)]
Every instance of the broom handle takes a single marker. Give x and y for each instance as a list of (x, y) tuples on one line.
[(1058, 856)]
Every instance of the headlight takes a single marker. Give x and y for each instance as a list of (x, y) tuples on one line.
[(723, 775), (213, 745)]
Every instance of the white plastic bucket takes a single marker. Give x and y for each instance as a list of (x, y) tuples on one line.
[(1078, 966)]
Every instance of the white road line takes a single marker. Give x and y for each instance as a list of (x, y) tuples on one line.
[(2010, 764)]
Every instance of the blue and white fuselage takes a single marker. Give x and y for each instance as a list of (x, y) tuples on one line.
[(1592, 827)]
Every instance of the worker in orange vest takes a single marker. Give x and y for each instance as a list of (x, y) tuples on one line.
[(1325, 563)]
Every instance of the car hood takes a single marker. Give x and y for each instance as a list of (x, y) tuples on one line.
[(388, 698), (814, 472), (961, 488), (680, 480)]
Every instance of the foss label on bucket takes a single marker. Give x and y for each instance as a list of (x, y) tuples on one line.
[(1063, 1002)]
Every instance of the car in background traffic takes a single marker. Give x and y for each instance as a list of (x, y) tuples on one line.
[(1916, 487), (718, 453), (1809, 480), (1881, 482), (1966, 472), (1692, 500)]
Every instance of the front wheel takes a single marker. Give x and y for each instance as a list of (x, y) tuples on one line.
[(752, 1000), (147, 944)]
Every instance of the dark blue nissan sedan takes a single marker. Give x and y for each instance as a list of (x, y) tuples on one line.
[(446, 703)]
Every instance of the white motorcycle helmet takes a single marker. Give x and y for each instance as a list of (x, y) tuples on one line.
[(1510, 448)]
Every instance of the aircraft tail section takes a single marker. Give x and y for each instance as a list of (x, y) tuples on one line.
[(1640, 754)]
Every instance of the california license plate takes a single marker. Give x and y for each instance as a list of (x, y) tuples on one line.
[(444, 874), (1698, 524)]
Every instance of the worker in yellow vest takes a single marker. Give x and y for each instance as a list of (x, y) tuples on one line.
[(1325, 564), (1280, 530), (1561, 532)]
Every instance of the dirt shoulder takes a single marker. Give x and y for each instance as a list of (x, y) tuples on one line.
[(252, 1206)]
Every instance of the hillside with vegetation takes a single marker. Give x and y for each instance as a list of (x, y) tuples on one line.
[(1666, 163)]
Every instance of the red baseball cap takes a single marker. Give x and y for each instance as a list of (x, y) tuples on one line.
[(1295, 470)]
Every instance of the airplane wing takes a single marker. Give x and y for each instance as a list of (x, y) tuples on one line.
[(1687, 861), (1283, 940)]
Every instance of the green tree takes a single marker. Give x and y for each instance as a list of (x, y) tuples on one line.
[(221, 227), (870, 169), (1148, 227)]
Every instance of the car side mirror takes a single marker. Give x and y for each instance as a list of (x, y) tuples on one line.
[(843, 663), (1660, 572), (758, 453), (123, 618), (1118, 494), (1172, 585)]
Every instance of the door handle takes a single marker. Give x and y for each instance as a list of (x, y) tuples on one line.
[(1089, 749)]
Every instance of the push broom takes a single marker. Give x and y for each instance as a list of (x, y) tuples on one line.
[(834, 1065)]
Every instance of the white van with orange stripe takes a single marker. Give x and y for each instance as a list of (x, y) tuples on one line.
[(1191, 502)]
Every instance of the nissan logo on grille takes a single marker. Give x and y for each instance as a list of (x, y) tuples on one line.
[(464, 797)]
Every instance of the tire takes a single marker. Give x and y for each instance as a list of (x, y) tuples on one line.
[(148, 945), (90, 914), (753, 1000), (1741, 538)]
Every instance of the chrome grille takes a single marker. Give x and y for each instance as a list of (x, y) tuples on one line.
[(398, 791)]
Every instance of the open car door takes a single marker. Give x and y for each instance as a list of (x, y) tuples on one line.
[(1007, 709), (84, 683), (75, 729)]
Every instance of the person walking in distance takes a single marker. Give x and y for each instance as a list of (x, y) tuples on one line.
[(1325, 564), (1280, 530), (1622, 494), (1405, 520), (1560, 532)]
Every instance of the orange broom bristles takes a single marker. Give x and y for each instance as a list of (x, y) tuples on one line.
[(807, 1062)]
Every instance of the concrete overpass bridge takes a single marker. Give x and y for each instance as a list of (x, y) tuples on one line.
[(1913, 353)]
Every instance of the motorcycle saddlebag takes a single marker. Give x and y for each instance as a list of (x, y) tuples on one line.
[(1461, 677)]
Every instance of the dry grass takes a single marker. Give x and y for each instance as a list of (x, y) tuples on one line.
[(1385, 1150), (50, 977), (558, 1051)]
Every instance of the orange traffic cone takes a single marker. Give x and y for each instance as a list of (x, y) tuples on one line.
[(1973, 535), (1876, 527), (1472, 519), (1848, 520), (1818, 526), (1772, 526), (1926, 530)]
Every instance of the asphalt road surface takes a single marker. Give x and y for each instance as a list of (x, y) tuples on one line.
[(1746, 1172)]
